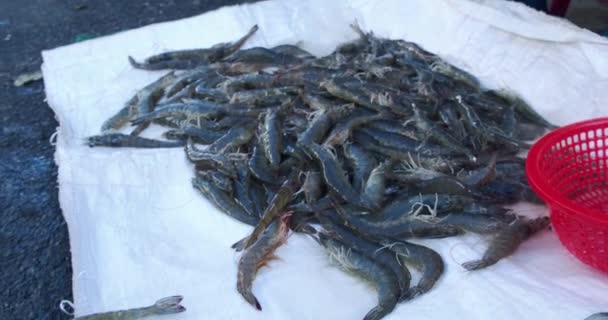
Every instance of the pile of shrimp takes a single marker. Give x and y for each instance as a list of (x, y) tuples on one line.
[(364, 149)]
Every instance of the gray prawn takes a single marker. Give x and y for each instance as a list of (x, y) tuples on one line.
[(183, 59), (507, 241), (258, 256), (353, 262), (164, 306), (119, 140)]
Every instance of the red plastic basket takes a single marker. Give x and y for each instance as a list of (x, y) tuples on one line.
[(568, 168)]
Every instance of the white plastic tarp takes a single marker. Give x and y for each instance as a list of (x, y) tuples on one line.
[(138, 230)]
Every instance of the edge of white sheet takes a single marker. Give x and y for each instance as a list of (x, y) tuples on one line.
[(138, 231)]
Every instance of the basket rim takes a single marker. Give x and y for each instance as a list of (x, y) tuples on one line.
[(540, 185)]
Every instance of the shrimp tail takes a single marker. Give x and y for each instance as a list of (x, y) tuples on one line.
[(475, 265), (251, 299), (375, 314), (240, 245), (168, 305), (135, 64), (257, 304)]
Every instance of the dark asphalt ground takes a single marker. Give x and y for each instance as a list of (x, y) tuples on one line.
[(35, 267)]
